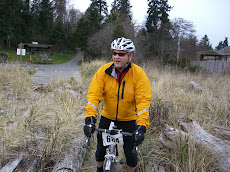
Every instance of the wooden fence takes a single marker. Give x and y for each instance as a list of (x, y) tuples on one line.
[(213, 66)]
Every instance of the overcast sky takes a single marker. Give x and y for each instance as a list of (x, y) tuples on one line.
[(210, 17)]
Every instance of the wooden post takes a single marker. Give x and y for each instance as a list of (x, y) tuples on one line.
[(20, 47)]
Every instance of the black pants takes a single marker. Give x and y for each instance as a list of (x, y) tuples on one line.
[(126, 126)]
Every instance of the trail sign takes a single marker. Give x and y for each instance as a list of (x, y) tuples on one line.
[(21, 52)]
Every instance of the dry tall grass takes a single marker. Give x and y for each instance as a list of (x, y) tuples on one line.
[(174, 97), (44, 123), (39, 124)]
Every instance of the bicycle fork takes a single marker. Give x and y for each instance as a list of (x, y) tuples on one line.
[(111, 159)]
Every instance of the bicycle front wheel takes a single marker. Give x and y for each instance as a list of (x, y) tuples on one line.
[(113, 167), (109, 166)]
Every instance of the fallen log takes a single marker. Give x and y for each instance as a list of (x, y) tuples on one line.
[(222, 132), (74, 159), (192, 131), (11, 166)]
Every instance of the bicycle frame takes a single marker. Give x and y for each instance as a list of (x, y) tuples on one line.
[(110, 157)]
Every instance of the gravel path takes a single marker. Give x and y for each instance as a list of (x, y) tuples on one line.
[(47, 73)]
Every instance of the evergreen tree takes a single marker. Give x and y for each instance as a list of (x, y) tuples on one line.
[(158, 27), (204, 44), (58, 34), (100, 5), (222, 44), (121, 8), (13, 21), (157, 14), (35, 9), (119, 31), (89, 24), (80, 35), (45, 19), (60, 10), (219, 46), (225, 43)]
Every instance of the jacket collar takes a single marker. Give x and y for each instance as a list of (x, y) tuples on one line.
[(111, 70)]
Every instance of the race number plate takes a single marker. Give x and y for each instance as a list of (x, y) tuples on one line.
[(112, 139)]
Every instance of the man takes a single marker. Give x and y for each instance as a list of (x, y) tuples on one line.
[(125, 91)]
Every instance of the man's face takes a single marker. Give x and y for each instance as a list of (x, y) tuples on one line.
[(120, 58)]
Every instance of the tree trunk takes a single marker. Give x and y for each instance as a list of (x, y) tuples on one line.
[(192, 130), (178, 49)]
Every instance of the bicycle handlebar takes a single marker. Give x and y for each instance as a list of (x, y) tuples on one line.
[(112, 132)]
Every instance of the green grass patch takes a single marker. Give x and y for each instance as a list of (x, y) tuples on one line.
[(35, 58), (61, 58)]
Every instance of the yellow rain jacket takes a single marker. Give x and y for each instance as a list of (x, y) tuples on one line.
[(127, 101)]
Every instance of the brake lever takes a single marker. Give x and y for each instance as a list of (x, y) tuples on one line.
[(88, 141), (88, 138)]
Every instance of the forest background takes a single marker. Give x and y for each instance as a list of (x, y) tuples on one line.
[(58, 23)]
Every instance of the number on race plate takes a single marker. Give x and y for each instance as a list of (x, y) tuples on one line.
[(112, 139)]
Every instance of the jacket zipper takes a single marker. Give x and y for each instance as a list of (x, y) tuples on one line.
[(118, 95), (123, 88)]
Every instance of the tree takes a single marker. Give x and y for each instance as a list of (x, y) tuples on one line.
[(59, 35), (73, 16), (13, 21), (158, 27), (60, 11), (80, 35), (98, 44), (204, 44), (101, 6), (42, 13), (222, 44), (188, 48), (225, 43), (157, 14), (45, 19), (35, 10), (89, 24), (181, 29), (121, 8)]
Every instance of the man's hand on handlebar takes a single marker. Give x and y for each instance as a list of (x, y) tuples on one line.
[(139, 135), (89, 127)]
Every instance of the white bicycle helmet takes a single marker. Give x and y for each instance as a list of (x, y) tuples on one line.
[(123, 44)]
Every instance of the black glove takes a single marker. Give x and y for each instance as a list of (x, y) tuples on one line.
[(89, 127), (139, 135)]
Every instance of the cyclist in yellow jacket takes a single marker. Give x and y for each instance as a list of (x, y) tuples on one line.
[(125, 91)]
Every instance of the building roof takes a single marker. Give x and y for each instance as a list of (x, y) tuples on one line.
[(212, 53), (224, 51), (38, 45)]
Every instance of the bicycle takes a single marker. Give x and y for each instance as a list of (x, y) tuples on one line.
[(112, 137)]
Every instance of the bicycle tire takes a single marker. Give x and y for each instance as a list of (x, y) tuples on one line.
[(107, 165), (112, 166)]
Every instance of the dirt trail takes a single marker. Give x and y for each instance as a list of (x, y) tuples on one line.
[(47, 73)]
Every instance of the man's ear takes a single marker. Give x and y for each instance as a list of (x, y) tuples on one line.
[(130, 57)]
